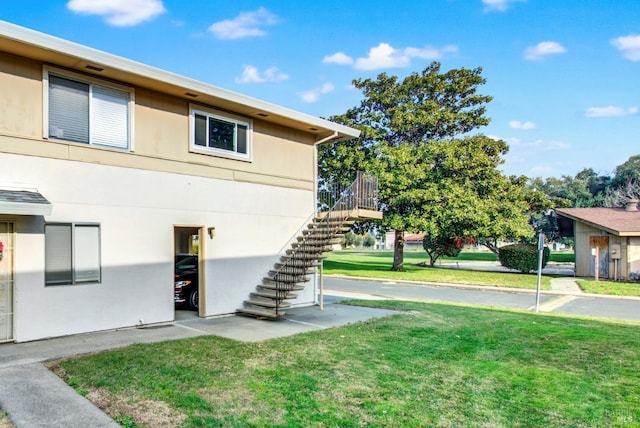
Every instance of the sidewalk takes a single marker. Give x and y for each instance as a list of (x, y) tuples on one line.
[(35, 397)]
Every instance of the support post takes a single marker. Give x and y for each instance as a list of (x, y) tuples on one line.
[(540, 255), (321, 285)]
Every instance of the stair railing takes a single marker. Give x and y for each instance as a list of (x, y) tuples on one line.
[(361, 194)]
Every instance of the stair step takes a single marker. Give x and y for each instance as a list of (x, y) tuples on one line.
[(322, 241), (260, 312), (309, 264), (300, 257), (287, 279), (304, 254), (323, 232), (281, 287), (267, 303), (271, 294), (292, 270), (332, 221), (311, 247)]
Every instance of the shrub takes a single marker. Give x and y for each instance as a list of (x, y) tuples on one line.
[(522, 257)]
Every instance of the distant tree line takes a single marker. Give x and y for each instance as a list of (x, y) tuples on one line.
[(586, 189), (590, 189)]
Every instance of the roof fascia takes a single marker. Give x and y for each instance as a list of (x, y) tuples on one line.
[(72, 49)]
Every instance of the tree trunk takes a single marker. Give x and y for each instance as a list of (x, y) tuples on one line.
[(492, 245), (398, 251)]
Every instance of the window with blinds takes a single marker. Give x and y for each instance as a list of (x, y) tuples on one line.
[(222, 135), (89, 113), (72, 253)]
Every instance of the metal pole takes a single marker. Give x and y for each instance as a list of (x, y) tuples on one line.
[(540, 253), (597, 263), (321, 285)]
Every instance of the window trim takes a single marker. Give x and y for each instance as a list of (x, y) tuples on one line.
[(90, 80), (74, 281), (226, 117)]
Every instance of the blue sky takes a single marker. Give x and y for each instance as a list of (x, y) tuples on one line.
[(564, 74)]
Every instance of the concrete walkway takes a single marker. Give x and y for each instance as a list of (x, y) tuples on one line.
[(35, 397), (565, 285)]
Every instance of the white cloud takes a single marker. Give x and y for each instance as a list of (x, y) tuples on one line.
[(313, 95), (246, 24), (610, 111), (629, 46), (338, 58), (386, 56), (121, 13), (251, 74), (542, 50), (500, 5), (516, 124)]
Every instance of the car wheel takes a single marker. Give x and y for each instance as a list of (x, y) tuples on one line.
[(193, 300)]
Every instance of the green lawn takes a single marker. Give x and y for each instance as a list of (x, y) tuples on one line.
[(610, 287), (4, 420), (436, 365), (376, 264)]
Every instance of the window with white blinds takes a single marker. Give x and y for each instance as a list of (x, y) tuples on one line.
[(72, 253), (86, 112)]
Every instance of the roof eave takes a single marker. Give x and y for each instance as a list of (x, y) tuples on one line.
[(245, 104), (597, 226)]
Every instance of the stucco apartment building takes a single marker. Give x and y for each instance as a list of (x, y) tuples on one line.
[(109, 167)]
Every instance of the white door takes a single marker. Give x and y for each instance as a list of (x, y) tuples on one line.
[(6, 281)]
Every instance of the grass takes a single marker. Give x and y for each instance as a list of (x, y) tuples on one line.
[(417, 256), (435, 365), (610, 287), (376, 264), (4, 420)]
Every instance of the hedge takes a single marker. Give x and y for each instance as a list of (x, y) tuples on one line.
[(522, 257)]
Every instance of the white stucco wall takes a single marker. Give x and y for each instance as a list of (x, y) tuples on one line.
[(137, 211)]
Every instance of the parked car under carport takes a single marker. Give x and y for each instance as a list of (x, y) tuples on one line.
[(186, 281)]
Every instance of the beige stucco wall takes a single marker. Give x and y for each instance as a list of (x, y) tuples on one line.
[(20, 97), (633, 255), (281, 156), (582, 248)]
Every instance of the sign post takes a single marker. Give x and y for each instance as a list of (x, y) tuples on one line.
[(540, 254)]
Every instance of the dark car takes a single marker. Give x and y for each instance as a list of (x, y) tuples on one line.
[(186, 281)]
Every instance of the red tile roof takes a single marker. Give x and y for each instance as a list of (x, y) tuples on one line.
[(414, 237), (616, 221)]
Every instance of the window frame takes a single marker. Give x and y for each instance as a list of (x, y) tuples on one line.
[(91, 81), (224, 117), (73, 259)]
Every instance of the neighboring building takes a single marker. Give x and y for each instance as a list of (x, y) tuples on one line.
[(608, 238), (108, 168), (412, 241)]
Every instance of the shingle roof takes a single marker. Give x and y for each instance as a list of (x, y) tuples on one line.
[(616, 221), (23, 202)]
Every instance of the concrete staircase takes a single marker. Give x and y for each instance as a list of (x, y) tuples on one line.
[(294, 268)]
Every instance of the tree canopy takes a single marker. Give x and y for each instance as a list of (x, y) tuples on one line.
[(434, 175), (586, 189)]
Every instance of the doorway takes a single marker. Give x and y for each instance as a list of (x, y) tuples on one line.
[(599, 257), (6, 281), (188, 275)]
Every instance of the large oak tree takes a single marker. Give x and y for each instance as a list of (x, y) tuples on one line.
[(434, 176)]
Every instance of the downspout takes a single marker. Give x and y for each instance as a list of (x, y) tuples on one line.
[(318, 283), (315, 164)]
